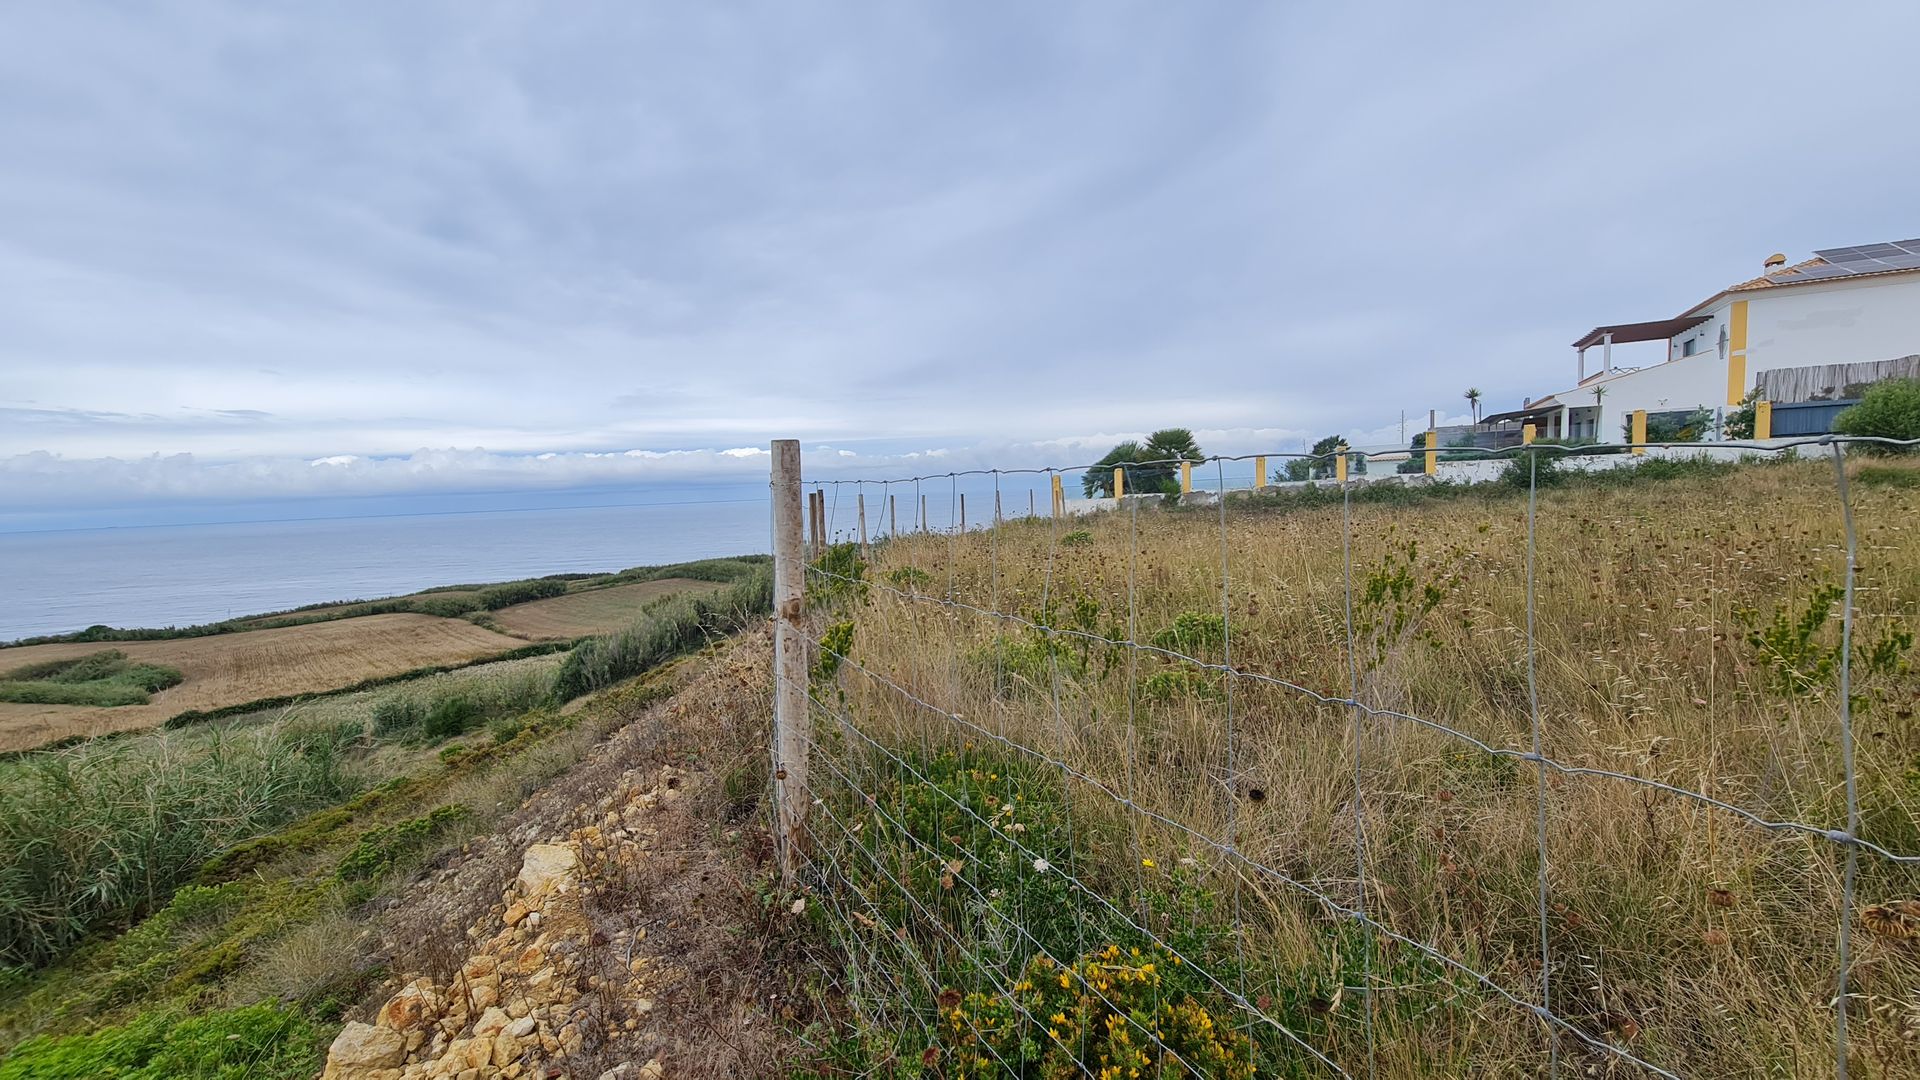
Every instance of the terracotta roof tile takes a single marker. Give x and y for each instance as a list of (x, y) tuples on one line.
[(1785, 275)]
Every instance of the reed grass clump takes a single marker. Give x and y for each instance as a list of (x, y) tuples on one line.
[(95, 835)]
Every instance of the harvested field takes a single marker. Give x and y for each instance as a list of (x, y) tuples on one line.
[(594, 611), (228, 669)]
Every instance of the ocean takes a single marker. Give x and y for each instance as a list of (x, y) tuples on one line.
[(271, 557), (178, 575)]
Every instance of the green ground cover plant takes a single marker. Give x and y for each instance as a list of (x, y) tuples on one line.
[(105, 678)]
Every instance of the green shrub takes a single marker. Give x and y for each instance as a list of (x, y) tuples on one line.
[(255, 1042), (496, 597), (381, 849), (1889, 410), (1107, 1014), (665, 630), (449, 715), (446, 607), (105, 678), (397, 714)]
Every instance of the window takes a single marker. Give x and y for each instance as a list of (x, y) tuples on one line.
[(1686, 347)]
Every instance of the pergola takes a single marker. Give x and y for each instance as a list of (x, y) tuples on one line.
[(1626, 333)]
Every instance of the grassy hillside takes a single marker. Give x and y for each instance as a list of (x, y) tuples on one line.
[(1687, 631), (184, 886)]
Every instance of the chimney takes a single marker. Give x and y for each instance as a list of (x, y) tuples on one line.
[(1777, 259)]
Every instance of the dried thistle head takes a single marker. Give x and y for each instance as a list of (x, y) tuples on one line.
[(1721, 898), (1899, 919), (1715, 937)]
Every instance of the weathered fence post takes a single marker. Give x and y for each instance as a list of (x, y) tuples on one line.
[(1526, 434), (1639, 431), (1433, 451), (1186, 478), (866, 553), (1029, 502), (791, 724), (1259, 472), (1340, 464), (1059, 497), (1763, 419), (996, 508), (893, 517), (1119, 482), (963, 512), (923, 514)]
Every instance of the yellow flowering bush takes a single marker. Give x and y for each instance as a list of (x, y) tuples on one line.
[(1108, 1013)]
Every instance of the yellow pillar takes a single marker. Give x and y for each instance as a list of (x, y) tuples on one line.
[(1526, 434), (1737, 352), (1119, 481), (1186, 477), (1259, 473), (1433, 452), (1340, 463), (1639, 431), (1763, 419)]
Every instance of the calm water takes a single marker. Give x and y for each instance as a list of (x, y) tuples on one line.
[(51, 582)]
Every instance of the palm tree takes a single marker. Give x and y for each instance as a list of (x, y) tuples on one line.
[(1473, 402), (1149, 466)]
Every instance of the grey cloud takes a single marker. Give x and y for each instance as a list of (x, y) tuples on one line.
[(277, 234)]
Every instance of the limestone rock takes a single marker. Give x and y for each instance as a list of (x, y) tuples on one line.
[(362, 1048), (548, 868)]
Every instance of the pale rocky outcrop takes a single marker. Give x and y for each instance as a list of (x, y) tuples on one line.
[(516, 1007)]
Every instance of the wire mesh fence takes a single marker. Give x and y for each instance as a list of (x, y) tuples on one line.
[(1572, 772)]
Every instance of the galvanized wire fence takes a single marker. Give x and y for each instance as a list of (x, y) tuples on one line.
[(1041, 861)]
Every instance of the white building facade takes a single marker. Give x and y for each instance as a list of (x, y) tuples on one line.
[(1845, 305)]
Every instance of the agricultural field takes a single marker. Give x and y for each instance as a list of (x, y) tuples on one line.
[(590, 611), (229, 669), (1135, 800)]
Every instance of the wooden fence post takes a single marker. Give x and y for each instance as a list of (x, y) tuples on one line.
[(1340, 464), (1059, 497), (1029, 502), (1433, 452), (1186, 477), (996, 508), (1526, 434), (963, 511), (923, 514), (893, 518), (1119, 482), (1259, 472), (1763, 419), (791, 724), (866, 553), (1639, 431)]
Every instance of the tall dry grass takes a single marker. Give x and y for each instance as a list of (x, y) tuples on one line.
[(1676, 931)]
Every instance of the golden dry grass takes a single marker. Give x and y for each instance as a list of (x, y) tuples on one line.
[(592, 611), (1677, 931), (228, 669)]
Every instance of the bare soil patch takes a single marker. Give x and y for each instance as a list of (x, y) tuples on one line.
[(228, 669), (594, 611)]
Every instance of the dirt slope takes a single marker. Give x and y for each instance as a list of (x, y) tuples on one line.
[(613, 925)]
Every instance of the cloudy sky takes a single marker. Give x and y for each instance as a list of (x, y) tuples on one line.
[(265, 250)]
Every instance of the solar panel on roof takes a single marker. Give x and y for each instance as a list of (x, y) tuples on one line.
[(1904, 262), (1828, 271)]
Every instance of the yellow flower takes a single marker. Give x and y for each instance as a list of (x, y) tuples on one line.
[(1065, 982), (1148, 863)]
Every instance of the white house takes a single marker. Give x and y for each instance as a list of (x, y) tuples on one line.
[(1843, 306)]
